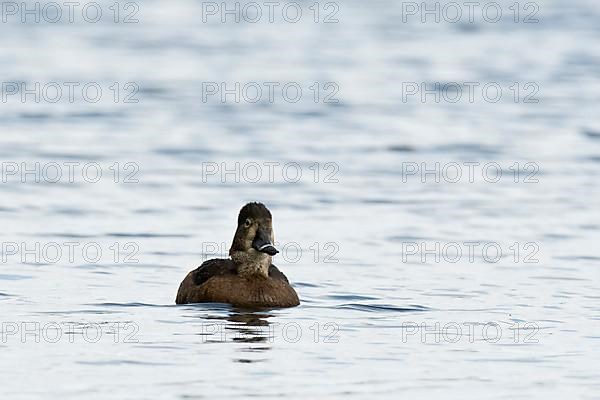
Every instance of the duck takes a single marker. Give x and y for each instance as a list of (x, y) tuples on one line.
[(248, 278)]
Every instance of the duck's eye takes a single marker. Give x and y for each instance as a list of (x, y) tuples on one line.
[(248, 223)]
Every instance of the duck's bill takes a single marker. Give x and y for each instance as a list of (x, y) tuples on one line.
[(263, 244), (268, 248)]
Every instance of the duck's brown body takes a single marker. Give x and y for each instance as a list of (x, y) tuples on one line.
[(217, 281)]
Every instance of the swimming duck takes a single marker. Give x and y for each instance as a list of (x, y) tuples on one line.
[(247, 278)]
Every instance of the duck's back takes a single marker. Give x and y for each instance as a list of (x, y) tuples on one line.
[(217, 281)]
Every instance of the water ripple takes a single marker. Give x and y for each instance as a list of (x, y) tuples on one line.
[(381, 307)]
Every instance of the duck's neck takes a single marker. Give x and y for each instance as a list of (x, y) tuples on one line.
[(252, 263)]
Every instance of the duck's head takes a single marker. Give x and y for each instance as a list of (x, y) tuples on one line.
[(253, 241)]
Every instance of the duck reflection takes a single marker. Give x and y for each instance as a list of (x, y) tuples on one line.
[(250, 326)]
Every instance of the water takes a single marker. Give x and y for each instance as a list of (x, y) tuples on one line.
[(376, 319)]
